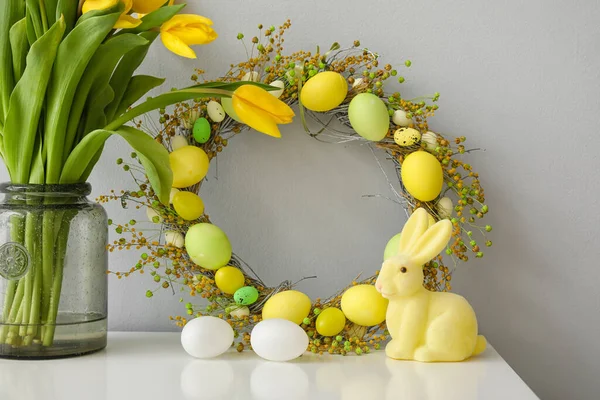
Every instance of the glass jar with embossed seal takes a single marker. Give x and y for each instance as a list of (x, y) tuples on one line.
[(53, 264)]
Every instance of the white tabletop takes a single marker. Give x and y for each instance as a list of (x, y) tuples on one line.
[(153, 366)]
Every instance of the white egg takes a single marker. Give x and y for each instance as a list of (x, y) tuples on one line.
[(251, 76), (152, 214), (215, 111), (206, 337), (173, 238), (430, 140), (357, 82), (178, 142), (240, 312), (445, 207), (174, 191), (278, 340), (399, 118), (281, 85)]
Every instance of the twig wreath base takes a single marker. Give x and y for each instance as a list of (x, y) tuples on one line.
[(170, 265)]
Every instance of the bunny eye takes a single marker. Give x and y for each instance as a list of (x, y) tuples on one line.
[(403, 270)]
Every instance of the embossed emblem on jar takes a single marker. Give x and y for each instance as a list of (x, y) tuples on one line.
[(14, 261)]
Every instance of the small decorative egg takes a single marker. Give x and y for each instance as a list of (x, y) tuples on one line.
[(188, 205), (246, 295), (251, 76), (227, 104), (357, 82), (239, 312), (399, 118), (278, 340), (391, 249), (178, 142), (369, 116), (208, 246), (289, 304), (422, 175), (430, 140), (229, 279), (206, 337), (324, 91), (172, 194), (153, 215), (174, 238), (330, 321), (201, 130), (215, 111), (407, 137), (189, 165), (364, 305), (445, 207), (281, 85)]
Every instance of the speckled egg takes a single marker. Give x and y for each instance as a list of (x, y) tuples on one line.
[(407, 137), (246, 295), (215, 111)]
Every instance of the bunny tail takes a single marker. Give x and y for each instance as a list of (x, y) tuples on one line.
[(480, 345)]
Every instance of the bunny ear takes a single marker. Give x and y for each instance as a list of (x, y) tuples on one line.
[(432, 242), (413, 229)]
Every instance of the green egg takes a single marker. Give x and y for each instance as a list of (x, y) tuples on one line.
[(201, 130), (246, 295), (369, 116)]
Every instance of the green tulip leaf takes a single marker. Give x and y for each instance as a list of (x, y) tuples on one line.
[(26, 102), (138, 86), (97, 77), (153, 155), (83, 41), (156, 18), (124, 71)]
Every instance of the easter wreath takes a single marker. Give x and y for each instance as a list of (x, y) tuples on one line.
[(341, 89)]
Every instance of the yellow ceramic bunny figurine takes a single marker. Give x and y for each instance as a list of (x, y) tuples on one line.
[(425, 326)]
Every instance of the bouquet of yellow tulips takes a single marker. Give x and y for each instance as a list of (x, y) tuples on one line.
[(67, 84)]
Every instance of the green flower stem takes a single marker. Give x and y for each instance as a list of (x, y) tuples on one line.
[(16, 312), (16, 235), (64, 221), (26, 304), (48, 238), (34, 316)]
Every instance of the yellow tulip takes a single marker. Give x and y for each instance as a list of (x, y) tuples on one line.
[(261, 111), (184, 30), (125, 21), (147, 6)]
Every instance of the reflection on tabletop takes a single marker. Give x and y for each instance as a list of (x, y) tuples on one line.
[(151, 368)]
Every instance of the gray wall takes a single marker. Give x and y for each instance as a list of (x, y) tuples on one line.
[(518, 78)]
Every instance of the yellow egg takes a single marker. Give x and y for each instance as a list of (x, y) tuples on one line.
[(189, 165), (330, 321), (324, 91), (363, 305), (422, 175), (290, 304), (188, 205), (229, 279), (407, 137), (445, 207)]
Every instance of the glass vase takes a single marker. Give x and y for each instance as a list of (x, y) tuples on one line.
[(53, 271)]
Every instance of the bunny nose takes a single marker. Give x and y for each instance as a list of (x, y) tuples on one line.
[(378, 287)]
